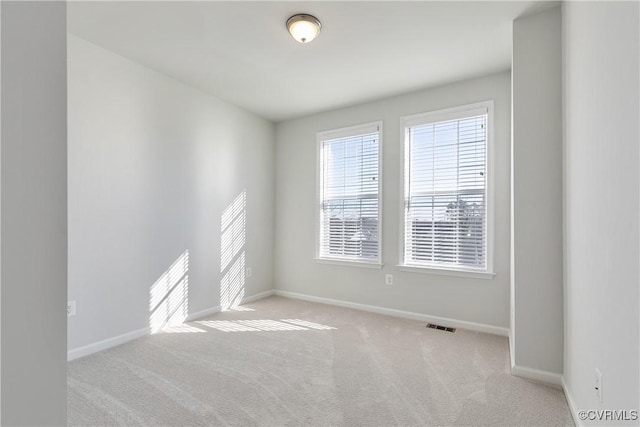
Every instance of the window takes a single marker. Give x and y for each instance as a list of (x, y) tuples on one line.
[(446, 197), (349, 188)]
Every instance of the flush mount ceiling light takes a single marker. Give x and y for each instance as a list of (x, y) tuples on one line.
[(303, 27)]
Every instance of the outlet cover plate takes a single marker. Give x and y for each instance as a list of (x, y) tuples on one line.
[(71, 308)]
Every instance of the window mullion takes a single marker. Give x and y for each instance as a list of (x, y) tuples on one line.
[(458, 200), (433, 188)]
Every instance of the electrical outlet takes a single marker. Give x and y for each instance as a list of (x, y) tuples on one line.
[(71, 308), (598, 385), (388, 279), (249, 272)]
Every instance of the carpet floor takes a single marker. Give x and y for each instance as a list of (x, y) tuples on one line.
[(283, 362)]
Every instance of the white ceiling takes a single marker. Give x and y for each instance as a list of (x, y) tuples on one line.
[(241, 52)]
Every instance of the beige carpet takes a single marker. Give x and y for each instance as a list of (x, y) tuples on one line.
[(282, 362)]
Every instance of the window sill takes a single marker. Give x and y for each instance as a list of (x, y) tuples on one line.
[(363, 264), (448, 272)]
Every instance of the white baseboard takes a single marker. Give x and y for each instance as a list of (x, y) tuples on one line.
[(550, 378), (139, 333), (452, 323), (213, 310), (258, 296), (571, 403), (105, 344), (203, 313)]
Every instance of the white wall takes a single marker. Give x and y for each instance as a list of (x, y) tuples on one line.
[(537, 324), (34, 213), (473, 300), (601, 111), (153, 164)]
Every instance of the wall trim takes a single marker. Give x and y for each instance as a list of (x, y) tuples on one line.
[(203, 313), (571, 403), (108, 343), (453, 323), (258, 296), (512, 349), (88, 349), (550, 378)]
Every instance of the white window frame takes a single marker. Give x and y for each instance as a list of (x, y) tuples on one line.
[(343, 133), (485, 107)]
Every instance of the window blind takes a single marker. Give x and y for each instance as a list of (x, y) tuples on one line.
[(349, 188), (445, 203)]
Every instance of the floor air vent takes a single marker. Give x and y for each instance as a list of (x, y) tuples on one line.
[(440, 328)]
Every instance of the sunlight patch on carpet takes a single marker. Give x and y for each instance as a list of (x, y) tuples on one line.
[(263, 325)]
